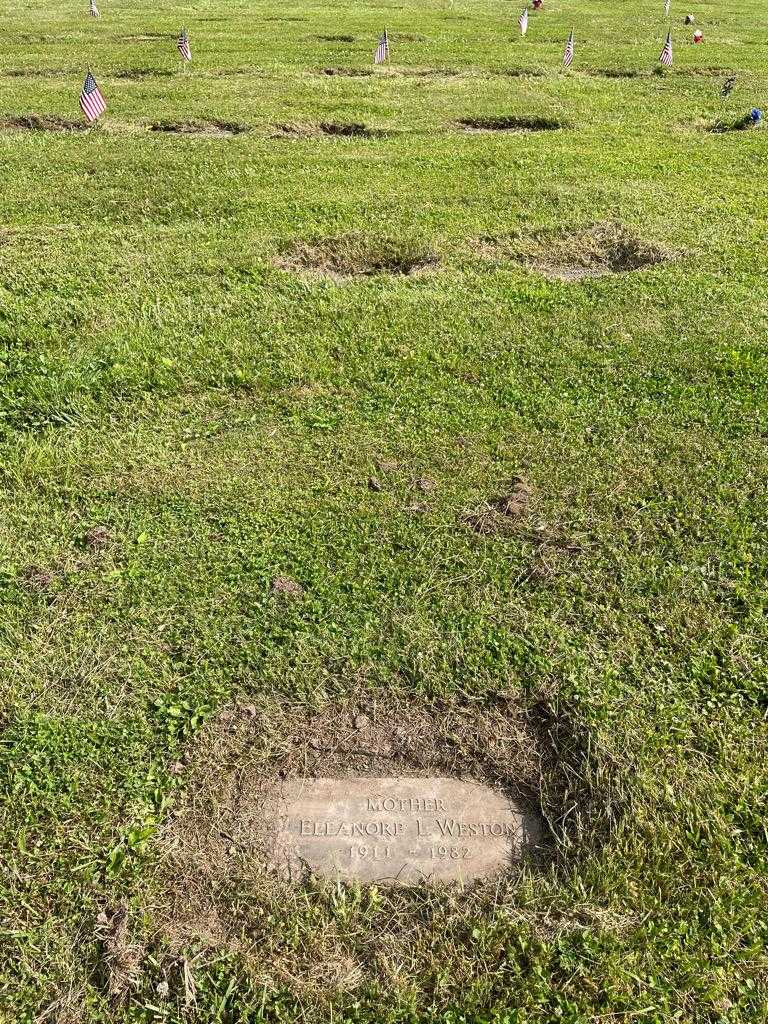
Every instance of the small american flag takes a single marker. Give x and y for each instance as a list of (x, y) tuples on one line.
[(183, 45), (667, 5), (666, 53), (522, 21), (93, 10), (92, 103), (568, 55), (382, 50)]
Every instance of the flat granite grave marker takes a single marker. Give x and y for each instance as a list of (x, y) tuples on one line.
[(394, 830)]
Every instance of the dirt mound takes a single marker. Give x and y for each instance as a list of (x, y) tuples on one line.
[(357, 256), (337, 39), (496, 515), (510, 124)]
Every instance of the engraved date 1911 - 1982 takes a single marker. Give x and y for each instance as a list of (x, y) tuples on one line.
[(375, 852)]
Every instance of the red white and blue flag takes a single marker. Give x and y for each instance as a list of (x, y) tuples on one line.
[(666, 53), (568, 55), (183, 45), (522, 21), (382, 50), (92, 103)]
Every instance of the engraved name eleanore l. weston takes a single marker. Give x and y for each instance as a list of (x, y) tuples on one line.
[(397, 830)]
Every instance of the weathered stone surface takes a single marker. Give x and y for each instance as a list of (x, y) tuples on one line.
[(394, 830)]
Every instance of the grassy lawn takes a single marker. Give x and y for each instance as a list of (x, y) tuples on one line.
[(297, 424)]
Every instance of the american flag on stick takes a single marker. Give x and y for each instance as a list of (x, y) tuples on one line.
[(568, 55), (93, 10), (667, 6), (522, 21), (666, 53), (92, 103), (382, 50), (183, 45)]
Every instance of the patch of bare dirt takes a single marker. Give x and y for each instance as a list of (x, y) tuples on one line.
[(617, 73), (146, 37), (215, 887), (121, 957), (38, 579), (348, 72), (98, 537), (510, 124), (335, 129), (34, 73), (218, 832), (43, 123), (404, 72), (594, 251), (432, 72), (509, 515), (234, 73), (337, 39), (139, 74), (211, 129), (704, 72), (358, 256), (522, 73), (498, 515), (284, 586), (346, 131)]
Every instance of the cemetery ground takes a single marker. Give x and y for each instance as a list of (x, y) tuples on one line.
[(360, 418)]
